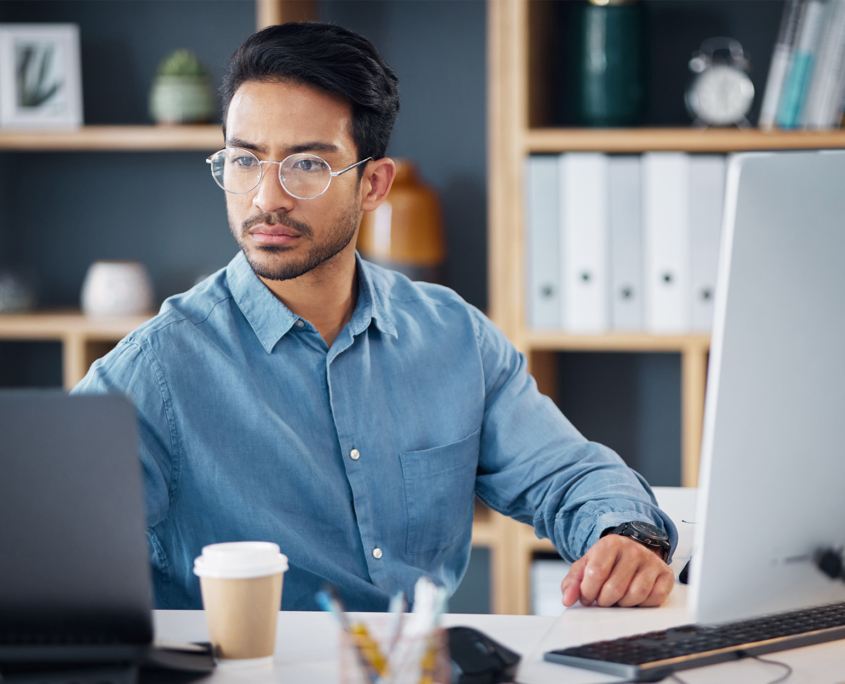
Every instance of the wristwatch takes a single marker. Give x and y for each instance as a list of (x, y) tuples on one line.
[(644, 533)]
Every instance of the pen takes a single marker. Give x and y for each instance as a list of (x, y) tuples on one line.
[(369, 654)]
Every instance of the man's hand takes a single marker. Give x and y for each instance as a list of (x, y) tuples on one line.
[(618, 570)]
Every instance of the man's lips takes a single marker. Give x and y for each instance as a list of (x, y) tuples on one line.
[(265, 234)]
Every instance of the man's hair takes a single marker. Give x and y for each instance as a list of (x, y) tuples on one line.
[(329, 58)]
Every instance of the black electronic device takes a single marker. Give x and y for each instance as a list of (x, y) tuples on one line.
[(75, 585), (646, 534), (653, 656), (478, 659)]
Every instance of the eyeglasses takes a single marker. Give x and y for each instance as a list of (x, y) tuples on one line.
[(303, 176)]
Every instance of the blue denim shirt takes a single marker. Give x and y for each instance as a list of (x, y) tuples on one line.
[(362, 461)]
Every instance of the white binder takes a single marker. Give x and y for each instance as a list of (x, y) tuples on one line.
[(707, 194), (543, 239), (666, 186), (626, 243), (584, 252)]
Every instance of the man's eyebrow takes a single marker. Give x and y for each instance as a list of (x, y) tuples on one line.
[(245, 145), (312, 146)]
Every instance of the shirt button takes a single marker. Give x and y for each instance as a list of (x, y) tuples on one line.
[(377, 553), (300, 324), (355, 455)]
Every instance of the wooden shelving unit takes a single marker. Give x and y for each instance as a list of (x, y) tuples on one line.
[(205, 138), (519, 35), (83, 339), (712, 140)]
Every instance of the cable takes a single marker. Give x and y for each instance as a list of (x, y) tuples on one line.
[(774, 662), (780, 679)]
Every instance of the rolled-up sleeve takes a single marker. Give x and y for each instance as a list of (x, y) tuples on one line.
[(534, 465), (131, 370)]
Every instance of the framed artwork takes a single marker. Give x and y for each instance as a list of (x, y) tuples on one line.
[(40, 76)]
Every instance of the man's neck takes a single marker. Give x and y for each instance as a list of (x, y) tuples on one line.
[(325, 297)]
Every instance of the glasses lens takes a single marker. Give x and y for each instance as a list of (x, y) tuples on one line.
[(236, 170), (305, 176)]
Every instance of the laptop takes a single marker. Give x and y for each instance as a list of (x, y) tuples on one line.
[(75, 582)]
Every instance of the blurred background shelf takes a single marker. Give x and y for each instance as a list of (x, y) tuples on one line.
[(83, 339), (712, 140), (116, 139)]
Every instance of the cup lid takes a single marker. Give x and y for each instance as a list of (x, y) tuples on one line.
[(240, 560)]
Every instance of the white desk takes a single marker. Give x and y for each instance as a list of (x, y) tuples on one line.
[(306, 643), (306, 650)]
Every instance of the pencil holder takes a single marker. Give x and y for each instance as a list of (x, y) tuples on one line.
[(375, 658)]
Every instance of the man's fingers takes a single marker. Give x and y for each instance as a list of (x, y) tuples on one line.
[(571, 585), (641, 586), (618, 584), (600, 564), (661, 590)]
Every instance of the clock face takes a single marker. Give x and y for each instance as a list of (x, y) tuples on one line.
[(721, 95)]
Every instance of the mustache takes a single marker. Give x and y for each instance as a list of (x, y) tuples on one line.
[(277, 219)]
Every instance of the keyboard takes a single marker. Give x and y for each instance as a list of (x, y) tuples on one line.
[(655, 655)]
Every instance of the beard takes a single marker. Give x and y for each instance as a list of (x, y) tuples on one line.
[(268, 261)]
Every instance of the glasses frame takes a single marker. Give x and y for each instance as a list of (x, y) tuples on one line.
[(261, 163)]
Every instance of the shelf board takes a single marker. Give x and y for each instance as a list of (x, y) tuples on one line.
[(206, 138), (636, 140), (57, 325), (622, 342)]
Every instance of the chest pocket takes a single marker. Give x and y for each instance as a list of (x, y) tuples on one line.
[(440, 493)]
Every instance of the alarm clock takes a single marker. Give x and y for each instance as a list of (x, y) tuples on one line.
[(720, 93)]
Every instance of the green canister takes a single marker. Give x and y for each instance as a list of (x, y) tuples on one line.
[(610, 63)]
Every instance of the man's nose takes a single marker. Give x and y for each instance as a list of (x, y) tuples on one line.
[(271, 195)]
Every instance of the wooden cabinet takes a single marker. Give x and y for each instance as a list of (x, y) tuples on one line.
[(519, 35)]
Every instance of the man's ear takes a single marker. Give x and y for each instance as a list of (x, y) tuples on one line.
[(376, 183)]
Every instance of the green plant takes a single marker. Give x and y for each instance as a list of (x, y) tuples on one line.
[(33, 72), (182, 63)]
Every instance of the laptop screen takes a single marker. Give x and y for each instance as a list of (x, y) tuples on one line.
[(74, 565)]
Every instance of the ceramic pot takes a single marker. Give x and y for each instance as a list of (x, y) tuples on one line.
[(181, 100), (116, 288), (406, 232)]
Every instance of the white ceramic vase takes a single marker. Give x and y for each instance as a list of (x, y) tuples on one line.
[(117, 288)]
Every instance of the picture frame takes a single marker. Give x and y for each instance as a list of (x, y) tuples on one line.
[(40, 76)]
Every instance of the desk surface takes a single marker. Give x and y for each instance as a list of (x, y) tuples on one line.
[(306, 646), (306, 642)]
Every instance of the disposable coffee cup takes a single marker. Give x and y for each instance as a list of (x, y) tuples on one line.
[(241, 585)]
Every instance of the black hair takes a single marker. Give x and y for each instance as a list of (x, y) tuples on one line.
[(329, 58)]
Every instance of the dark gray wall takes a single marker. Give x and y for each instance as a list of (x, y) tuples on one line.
[(438, 50)]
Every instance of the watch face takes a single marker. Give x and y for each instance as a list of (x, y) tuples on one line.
[(648, 530), (721, 95)]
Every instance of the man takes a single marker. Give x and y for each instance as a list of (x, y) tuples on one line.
[(303, 396)]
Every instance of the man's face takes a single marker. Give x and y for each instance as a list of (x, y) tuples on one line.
[(281, 236)]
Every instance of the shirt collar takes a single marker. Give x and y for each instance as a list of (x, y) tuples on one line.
[(271, 320)]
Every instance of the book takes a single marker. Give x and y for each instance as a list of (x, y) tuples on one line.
[(626, 238), (542, 223), (707, 194), (584, 255), (666, 217), (794, 96), (825, 95), (779, 66)]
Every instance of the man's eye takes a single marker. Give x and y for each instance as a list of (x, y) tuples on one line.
[(244, 162), (309, 165)]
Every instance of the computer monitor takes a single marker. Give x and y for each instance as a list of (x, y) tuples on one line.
[(772, 479)]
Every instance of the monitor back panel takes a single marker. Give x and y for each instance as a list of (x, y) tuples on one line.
[(773, 454), (74, 566)]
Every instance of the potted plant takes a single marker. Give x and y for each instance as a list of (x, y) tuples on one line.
[(181, 92)]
